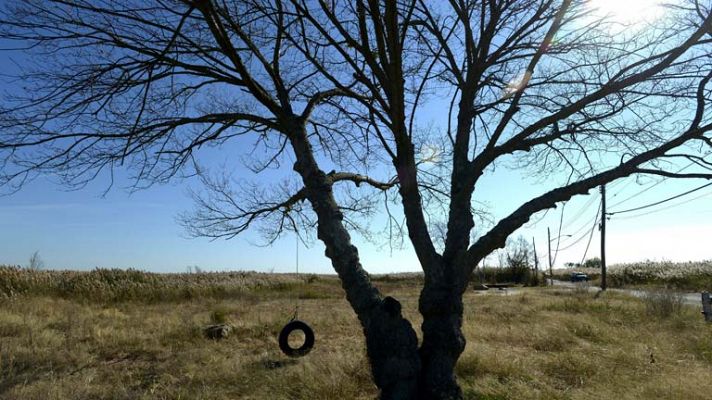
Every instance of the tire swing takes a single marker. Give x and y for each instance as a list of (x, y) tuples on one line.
[(296, 325), (304, 349)]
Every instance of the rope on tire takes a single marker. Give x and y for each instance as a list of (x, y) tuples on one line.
[(296, 325)]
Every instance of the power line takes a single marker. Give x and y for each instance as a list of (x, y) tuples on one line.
[(558, 235), (578, 215), (595, 221), (580, 229), (664, 208), (581, 212), (585, 224), (621, 189), (590, 236), (661, 201), (649, 187)]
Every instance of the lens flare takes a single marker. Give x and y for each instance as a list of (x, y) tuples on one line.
[(628, 12)]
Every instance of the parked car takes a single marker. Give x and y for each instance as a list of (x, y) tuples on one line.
[(579, 277)]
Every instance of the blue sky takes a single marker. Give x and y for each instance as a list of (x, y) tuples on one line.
[(84, 229)]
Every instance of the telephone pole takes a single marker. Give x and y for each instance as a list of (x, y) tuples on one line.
[(536, 263), (548, 237), (603, 237)]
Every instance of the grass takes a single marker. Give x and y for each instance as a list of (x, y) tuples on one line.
[(535, 344)]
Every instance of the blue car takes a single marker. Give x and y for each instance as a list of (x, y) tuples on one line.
[(579, 277)]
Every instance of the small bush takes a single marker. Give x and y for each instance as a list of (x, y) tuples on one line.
[(663, 303), (535, 279), (219, 316), (703, 349), (581, 288)]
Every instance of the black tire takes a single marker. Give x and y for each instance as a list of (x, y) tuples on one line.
[(308, 339)]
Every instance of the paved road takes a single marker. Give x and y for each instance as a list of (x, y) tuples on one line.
[(688, 298)]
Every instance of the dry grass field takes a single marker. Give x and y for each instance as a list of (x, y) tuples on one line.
[(537, 343)]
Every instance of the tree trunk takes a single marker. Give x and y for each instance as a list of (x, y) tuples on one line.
[(391, 342), (392, 348), (443, 341)]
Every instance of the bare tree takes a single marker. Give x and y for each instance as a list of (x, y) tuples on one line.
[(35, 262), (335, 85), (520, 259)]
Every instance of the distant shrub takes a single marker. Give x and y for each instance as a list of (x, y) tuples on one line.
[(663, 303), (519, 273), (535, 279), (518, 257)]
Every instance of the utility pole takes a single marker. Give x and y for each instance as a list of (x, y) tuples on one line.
[(603, 237), (536, 263), (548, 237)]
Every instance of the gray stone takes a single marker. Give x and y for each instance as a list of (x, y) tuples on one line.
[(479, 286), (217, 332)]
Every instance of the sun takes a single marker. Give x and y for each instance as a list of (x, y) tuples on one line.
[(627, 12)]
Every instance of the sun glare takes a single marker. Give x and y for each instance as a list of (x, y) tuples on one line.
[(628, 12)]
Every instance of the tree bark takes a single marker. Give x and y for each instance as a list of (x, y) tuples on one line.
[(391, 342), (443, 341)]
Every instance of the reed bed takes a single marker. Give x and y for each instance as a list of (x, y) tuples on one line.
[(112, 285)]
